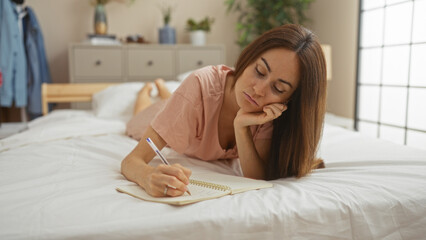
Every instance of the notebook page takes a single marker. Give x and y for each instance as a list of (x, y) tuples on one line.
[(198, 193), (237, 184)]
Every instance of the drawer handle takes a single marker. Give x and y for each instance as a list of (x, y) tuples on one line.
[(200, 63), (150, 63), (98, 62)]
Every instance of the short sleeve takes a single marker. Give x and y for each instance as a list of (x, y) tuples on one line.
[(178, 122)]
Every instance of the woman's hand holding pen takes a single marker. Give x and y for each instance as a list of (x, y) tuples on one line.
[(175, 176), (162, 180)]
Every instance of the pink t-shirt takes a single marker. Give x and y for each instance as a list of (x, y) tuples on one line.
[(189, 120)]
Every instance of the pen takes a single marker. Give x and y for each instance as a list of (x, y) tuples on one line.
[(163, 159)]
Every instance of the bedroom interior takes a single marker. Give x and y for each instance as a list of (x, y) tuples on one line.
[(59, 171)]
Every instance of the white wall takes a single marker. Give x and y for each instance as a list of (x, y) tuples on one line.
[(336, 23)]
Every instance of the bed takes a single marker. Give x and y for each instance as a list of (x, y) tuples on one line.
[(58, 180)]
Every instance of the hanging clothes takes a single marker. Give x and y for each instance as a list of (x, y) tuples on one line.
[(13, 63), (38, 68)]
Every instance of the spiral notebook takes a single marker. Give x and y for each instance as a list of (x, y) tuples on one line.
[(203, 187)]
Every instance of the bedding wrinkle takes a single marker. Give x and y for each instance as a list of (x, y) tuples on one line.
[(323, 203), (403, 212), (274, 215), (249, 212), (228, 218)]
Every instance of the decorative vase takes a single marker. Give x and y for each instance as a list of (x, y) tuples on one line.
[(198, 37), (100, 20), (167, 35)]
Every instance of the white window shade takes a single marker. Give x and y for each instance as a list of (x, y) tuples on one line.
[(372, 28), (370, 65), (390, 2), (368, 4), (416, 139), (418, 63), (393, 106), (398, 23), (368, 103), (419, 22), (392, 134), (391, 80), (395, 65), (417, 109)]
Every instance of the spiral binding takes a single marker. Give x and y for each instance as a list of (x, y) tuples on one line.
[(210, 185)]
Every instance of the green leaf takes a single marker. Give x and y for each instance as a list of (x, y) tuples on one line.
[(258, 16)]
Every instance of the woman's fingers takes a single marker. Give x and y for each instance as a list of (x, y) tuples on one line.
[(175, 186), (176, 170), (174, 192), (159, 183), (273, 111), (269, 113), (277, 108), (185, 170)]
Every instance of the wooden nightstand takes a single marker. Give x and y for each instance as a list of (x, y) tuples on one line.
[(9, 128)]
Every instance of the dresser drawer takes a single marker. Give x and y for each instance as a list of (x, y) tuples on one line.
[(143, 63), (101, 63), (194, 59)]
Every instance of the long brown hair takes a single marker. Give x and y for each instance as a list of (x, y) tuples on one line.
[(298, 130)]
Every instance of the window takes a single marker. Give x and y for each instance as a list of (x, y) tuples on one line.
[(391, 81)]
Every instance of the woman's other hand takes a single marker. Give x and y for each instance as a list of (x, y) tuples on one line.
[(269, 113)]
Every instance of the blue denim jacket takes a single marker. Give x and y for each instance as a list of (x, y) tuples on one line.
[(38, 69), (13, 63)]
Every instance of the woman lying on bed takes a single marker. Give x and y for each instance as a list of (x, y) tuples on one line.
[(268, 112)]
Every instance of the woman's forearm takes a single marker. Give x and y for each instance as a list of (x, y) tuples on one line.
[(251, 163), (135, 165), (134, 169)]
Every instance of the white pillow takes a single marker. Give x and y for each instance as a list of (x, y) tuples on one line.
[(118, 101)]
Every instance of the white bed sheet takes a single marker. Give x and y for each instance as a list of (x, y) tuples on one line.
[(58, 179)]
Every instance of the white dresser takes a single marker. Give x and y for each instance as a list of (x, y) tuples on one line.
[(138, 62)]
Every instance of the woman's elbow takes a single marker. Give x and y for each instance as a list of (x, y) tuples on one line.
[(124, 165)]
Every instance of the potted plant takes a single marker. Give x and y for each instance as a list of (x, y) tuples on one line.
[(256, 17), (198, 30), (167, 34)]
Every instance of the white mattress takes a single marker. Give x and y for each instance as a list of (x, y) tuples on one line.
[(58, 179)]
